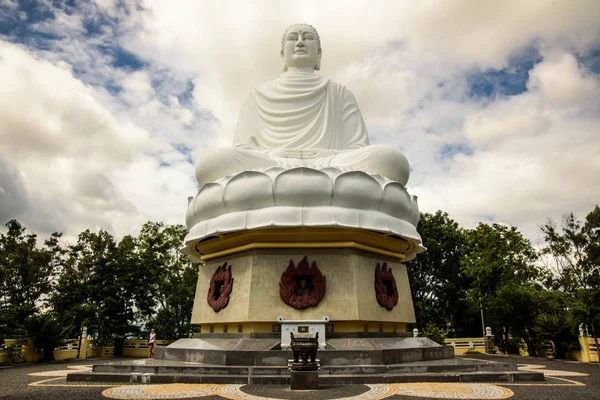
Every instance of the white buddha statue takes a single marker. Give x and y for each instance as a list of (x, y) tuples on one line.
[(302, 120)]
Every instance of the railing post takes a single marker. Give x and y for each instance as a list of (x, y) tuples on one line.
[(584, 343), (83, 345), (489, 340), (30, 354)]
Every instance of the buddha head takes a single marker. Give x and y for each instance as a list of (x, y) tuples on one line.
[(301, 47)]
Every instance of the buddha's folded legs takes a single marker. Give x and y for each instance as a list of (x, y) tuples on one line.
[(229, 160), (375, 159)]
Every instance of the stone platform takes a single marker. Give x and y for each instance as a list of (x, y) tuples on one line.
[(163, 371), (349, 358), (341, 349)]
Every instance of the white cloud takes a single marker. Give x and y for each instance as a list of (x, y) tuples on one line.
[(564, 85), (46, 111), (102, 146), (137, 88), (63, 143)]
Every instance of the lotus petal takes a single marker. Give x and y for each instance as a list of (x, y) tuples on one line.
[(302, 187), (358, 190), (209, 202), (248, 190), (396, 201)]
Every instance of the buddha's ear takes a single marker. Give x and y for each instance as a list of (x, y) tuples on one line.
[(284, 66), (318, 66)]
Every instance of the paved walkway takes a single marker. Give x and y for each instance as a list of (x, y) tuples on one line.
[(564, 380)]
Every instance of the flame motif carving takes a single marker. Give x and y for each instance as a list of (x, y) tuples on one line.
[(302, 286), (221, 285), (385, 287)]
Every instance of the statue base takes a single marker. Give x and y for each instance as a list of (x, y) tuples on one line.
[(304, 380), (304, 366), (340, 281)]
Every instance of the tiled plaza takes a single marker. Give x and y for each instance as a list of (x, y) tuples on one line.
[(564, 380)]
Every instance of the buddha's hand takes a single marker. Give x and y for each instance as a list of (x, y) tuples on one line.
[(292, 153), (300, 153)]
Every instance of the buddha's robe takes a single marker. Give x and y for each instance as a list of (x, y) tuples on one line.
[(301, 111), (302, 119)]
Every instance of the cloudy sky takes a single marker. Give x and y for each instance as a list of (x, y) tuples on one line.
[(106, 105)]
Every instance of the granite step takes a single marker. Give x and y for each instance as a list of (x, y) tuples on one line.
[(324, 370), (489, 376), (151, 378), (414, 369), (324, 379)]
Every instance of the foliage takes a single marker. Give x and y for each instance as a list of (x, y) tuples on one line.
[(84, 294), (433, 332), (514, 307), (47, 332), (566, 253), (499, 261), (173, 276), (556, 327), (572, 257), (437, 283), (26, 273)]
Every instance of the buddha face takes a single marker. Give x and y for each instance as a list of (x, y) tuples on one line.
[(301, 47)]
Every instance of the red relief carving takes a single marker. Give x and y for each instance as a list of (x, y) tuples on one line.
[(221, 285), (385, 287), (302, 286)]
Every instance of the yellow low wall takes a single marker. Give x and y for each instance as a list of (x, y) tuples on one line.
[(138, 348), (19, 351), (466, 345), (589, 352), (13, 351)]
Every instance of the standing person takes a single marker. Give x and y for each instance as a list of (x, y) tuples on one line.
[(151, 343)]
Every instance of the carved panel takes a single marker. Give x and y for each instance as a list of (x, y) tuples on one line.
[(385, 287), (221, 285), (302, 286)]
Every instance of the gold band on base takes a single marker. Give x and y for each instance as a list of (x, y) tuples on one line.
[(265, 327), (302, 238)]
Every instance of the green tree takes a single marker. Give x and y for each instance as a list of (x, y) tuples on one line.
[(498, 261), (572, 257), (26, 274), (437, 283), (80, 287), (515, 307), (173, 276)]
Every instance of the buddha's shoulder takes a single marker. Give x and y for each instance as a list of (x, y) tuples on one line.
[(286, 80)]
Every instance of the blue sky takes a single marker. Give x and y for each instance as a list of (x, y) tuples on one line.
[(495, 106)]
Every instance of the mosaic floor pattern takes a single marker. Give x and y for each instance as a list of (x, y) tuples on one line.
[(431, 390), (63, 372), (375, 392), (548, 372)]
